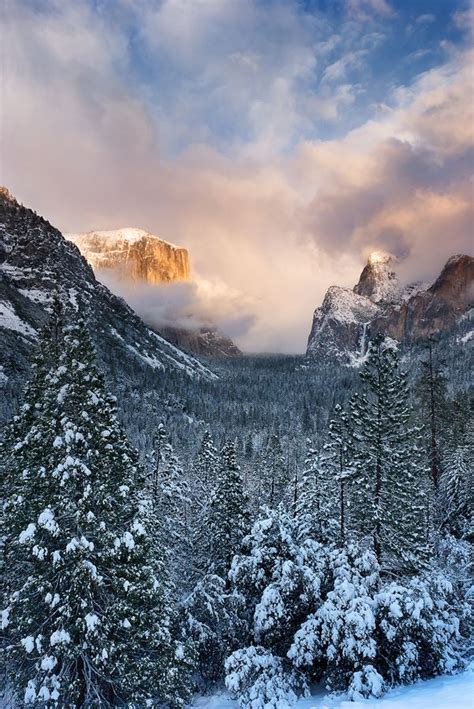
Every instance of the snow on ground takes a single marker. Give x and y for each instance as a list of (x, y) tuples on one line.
[(446, 692)]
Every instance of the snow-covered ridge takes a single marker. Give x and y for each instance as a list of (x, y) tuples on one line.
[(128, 234), (345, 306), (133, 254)]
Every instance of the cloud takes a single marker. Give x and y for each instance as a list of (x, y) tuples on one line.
[(366, 9), (403, 183), (216, 144), (425, 19), (190, 305)]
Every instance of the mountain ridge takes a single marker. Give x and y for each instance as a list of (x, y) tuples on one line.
[(36, 264), (379, 304), (134, 253)]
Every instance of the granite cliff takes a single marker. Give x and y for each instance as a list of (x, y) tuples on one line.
[(378, 303), (134, 254)]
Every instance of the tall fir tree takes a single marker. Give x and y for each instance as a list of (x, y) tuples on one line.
[(228, 516), (206, 465), (457, 487), (314, 500), (433, 399), (204, 479), (339, 459), (274, 472), (171, 508), (87, 616), (387, 490)]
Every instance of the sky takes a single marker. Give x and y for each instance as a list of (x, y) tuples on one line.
[(279, 141)]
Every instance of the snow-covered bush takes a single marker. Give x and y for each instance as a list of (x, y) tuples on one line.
[(339, 638), (419, 630), (211, 621), (279, 579), (366, 683), (260, 680)]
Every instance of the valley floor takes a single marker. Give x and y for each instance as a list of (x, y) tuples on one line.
[(445, 692)]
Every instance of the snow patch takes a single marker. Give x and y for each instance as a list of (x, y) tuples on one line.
[(10, 320)]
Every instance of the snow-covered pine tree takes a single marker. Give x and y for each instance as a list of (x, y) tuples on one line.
[(171, 508), (457, 488), (228, 515), (203, 482), (274, 472), (206, 466), (433, 400), (87, 617), (339, 459), (315, 493), (387, 491), (15, 458), (211, 612)]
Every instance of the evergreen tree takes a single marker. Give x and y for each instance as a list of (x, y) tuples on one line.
[(228, 513), (387, 494), (274, 472), (457, 489), (205, 471), (171, 508), (433, 389), (340, 454), (206, 467), (313, 505), (87, 617)]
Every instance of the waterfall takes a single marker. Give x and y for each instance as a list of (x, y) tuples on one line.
[(363, 340)]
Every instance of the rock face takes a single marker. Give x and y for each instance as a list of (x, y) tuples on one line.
[(378, 304), (36, 263), (434, 309), (378, 281), (134, 254), (205, 342)]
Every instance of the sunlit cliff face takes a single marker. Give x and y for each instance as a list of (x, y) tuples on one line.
[(134, 255)]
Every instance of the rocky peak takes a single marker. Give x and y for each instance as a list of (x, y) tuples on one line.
[(378, 280), (6, 195), (456, 280), (134, 255), (377, 304)]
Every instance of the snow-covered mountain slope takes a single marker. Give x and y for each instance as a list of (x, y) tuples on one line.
[(207, 341), (36, 262), (339, 322), (135, 254), (378, 303)]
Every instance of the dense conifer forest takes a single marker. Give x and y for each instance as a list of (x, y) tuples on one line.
[(282, 525)]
